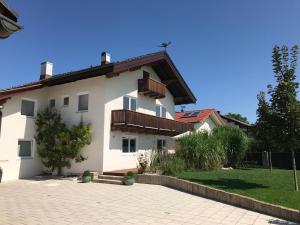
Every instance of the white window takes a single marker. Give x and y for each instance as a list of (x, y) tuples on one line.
[(161, 144), (129, 103), (65, 101), (25, 148), (52, 103), (83, 102), (160, 111), (27, 107), (128, 145)]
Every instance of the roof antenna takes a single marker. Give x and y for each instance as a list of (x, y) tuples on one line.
[(182, 108), (165, 45)]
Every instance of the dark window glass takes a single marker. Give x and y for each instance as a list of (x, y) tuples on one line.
[(125, 102), (133, 104), (66, 101), (157, 110), (25, 148), (52, 103), (125, 143), (163, 112), (132, 145), (161, 144), (83, 102), (27, 108)]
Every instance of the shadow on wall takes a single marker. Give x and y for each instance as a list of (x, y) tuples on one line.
[(234, 184)]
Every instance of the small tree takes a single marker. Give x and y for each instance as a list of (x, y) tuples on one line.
[(284, 103), (263, 127), (57, 144), (237, 116)]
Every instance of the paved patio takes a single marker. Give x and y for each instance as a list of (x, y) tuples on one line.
[(62, 202)]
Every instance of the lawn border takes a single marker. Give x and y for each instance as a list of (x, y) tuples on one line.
[(220, 195)]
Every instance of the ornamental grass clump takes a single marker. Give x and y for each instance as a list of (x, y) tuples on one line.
[(234, 143), (200, 150)]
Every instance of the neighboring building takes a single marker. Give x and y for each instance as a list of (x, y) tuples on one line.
[(8, 20), (204, 119), (130, 105), (246, 127)]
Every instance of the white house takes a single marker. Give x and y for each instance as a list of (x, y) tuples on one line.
[(203, 120), (130, 105)]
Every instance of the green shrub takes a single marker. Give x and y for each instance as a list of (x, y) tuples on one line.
[(129, 175), (202, 151), (171, 165), (234, 143), (86, 173)]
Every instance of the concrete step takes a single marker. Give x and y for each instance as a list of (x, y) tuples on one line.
[(114, 173), (107, 181), (110, 177)]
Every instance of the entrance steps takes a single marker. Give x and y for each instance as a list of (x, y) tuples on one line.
[(109, 179)]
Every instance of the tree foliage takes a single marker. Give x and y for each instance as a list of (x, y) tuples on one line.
[(237, 116), (57, 144), (279, 120)]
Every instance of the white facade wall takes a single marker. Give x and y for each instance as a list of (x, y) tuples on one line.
[(115, 89), (206, 125), (105, 151), (17, 127)]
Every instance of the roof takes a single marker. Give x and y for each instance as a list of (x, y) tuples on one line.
[(159, 61), (235, 121), (202, 116)]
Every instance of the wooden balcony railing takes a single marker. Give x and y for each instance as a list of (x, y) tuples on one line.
[(151, 88), (126, 120)]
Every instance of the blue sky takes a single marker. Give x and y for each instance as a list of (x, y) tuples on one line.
[(222, 48)]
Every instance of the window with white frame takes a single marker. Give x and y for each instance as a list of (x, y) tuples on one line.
[(25, 148), (65, 101), (128, 145), (161, 144), (27, 107), (52, 103), (160, 111), (129, 103), (83, 102)]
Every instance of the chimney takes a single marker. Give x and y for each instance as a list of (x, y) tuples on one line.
[(46, 70), (105, 58)]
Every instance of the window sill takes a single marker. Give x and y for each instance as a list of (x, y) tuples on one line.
[(28, 117), (24, 157), (128, 154), (81, 111)]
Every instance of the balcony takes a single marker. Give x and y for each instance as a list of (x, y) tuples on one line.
[(151, 88), (130, 121)]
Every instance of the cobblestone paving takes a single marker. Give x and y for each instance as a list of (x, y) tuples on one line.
[(63, 202)]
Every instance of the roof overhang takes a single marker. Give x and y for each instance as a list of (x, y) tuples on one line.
[(159, 61), (165, 69), (8, 20), (8, 27)]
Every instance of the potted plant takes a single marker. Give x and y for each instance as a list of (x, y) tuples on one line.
[(86, 177), (128, 179)]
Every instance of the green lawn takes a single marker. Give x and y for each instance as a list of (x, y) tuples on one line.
[(275, 187)]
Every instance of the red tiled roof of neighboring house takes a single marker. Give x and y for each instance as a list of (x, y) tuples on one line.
[(202, 116), (160, 62)]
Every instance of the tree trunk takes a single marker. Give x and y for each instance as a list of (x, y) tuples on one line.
[(59, 171), (270, 161), (295, 171)]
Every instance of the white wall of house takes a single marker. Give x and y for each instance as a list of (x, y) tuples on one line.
[(17, 127), (94, 116), (206, 125), (115, 89), (105, 151)]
